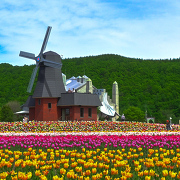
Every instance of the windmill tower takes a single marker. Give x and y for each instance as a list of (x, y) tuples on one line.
[(115, 98), (49, 85)]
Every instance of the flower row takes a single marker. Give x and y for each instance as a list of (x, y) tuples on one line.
[(91, 141), (79, 126)]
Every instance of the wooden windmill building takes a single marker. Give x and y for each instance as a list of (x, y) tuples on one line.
[(50, 101)]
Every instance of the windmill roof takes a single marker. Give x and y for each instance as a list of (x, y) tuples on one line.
[(83, 99), (51, 53)]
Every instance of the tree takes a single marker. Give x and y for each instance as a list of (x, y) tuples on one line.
[(6, 114), (134, 114), (14, 105)]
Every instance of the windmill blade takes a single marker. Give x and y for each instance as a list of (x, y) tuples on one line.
[(33, 76), (45, 39), (53, 65), (27, 55)]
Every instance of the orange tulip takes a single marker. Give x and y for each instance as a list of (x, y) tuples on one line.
[(63, 171), (88, 172), (94, 170), (105, 172), (165, 172), (66, 165), (37, 173)]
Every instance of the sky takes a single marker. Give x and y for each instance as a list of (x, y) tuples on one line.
[(131, 28)]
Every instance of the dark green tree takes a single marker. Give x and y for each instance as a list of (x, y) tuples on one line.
[(15, 107), (134, 114), (6, 114)]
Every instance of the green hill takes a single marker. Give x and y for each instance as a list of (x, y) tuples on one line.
[(151, 85)]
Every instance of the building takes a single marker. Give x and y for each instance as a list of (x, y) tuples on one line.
[(109, 108)]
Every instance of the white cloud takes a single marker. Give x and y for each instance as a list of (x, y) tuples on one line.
[(131, 28)]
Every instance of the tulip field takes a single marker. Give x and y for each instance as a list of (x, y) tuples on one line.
[(89, 151)]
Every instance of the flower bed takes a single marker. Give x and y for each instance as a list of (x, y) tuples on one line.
[(90, 157), (88, 150), (87, 126)]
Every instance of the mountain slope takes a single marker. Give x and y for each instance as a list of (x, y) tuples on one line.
[(151, 85)]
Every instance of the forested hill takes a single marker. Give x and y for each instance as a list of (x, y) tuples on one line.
[(151, 85)]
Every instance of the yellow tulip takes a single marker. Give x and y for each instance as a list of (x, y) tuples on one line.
[(14, 178), (83, 149), (70, 174), (106, 166), (178, 162), (140, 174), (107, 177), (43, 177), (172, 174), (37, 172), (114, 171), (146, 172), (94, 177), (105, 172), (63, 171), (151, 172), (78, 169), (80, 178), (83, 156), (16, 156), (86, 178), (29, 149), (66, 165), (136, 155), (100, 165), (88, 155), (88, 172), (123, 178), (136, 163), (56, 177), (29, 175), (147, 177), (94, 170), (95, 165), (129, 175), (165, 172), (3, 175)]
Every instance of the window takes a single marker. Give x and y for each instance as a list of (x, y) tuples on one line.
[(81, 112), (49, 105), (89, 112), (67, 111), (39, 101)]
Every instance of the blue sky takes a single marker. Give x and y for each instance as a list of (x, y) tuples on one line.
[(131, 28)]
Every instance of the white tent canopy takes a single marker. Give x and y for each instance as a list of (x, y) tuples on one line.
[(106, 108), (22, 112)]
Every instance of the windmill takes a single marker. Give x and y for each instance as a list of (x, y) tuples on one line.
[(50, 101), (49, 83)]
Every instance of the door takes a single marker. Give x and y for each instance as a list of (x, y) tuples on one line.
[(63, 112)]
